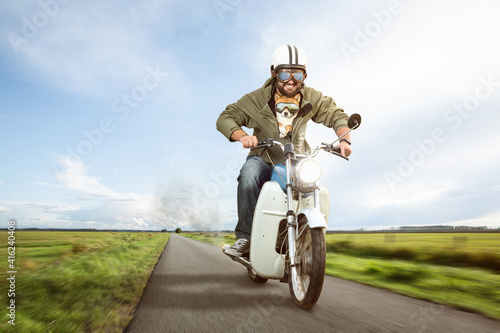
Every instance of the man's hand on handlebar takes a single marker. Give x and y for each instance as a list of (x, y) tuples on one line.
[(345, 148), (249, 141)]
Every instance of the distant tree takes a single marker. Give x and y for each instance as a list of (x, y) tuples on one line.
[(178, 230), (164, 230)]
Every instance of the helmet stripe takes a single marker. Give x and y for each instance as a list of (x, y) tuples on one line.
[(296, 55), (290, 55)]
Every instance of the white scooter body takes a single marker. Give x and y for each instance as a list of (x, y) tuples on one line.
[(288, 235), (270, 210)]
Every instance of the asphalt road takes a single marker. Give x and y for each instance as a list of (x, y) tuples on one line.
[(196, 288)]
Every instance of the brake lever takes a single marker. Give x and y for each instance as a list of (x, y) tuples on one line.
[(339, 155), (330, 148)]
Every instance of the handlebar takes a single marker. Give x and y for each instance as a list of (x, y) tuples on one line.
[(267, 143), (328, 147)]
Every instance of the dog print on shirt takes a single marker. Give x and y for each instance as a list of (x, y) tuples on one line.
[(286, 110)]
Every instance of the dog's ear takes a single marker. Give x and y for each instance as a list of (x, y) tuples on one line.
[(297, 98), (276, 97)]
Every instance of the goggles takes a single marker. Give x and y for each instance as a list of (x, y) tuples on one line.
[(285, 75), (280, 107)]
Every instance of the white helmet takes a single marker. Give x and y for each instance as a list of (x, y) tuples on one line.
[(288, 56)]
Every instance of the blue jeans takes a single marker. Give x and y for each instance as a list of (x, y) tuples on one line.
[(253, 174)]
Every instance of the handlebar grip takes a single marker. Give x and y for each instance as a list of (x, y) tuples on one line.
[(336, 151), (263, 144)]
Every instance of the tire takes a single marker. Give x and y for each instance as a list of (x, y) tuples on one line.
[(255, 277), (306, 282)]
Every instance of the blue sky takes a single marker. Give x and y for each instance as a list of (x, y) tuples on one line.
[(108, 109)]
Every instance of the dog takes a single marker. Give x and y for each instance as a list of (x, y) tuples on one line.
[(286, 110)]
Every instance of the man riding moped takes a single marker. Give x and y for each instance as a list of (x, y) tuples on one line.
[(260, 110)]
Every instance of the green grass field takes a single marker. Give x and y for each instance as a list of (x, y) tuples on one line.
[(78, 281), (481, 250), (372, 258), (425, 242)]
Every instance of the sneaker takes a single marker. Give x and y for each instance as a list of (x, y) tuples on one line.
[(241, 247)]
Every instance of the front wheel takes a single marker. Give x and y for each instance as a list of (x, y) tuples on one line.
[(306, 277), (255, 277)]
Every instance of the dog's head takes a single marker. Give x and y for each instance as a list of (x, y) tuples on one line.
[(287, 106)]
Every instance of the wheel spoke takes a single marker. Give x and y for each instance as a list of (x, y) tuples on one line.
[(308, 273)]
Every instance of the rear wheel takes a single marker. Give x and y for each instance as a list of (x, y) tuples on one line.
[(306, 277), (255, 277)]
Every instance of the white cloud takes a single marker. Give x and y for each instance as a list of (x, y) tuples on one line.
[(74, 176), (413, 194), (171, 206), (130, 207), (95, 48), (39, 214), (491, 220), (47, 184), (139, 222), (5, 210)]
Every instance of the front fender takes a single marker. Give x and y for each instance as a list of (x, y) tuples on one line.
[(314, 217)]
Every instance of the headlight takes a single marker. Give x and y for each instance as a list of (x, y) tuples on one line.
[(308, 171)]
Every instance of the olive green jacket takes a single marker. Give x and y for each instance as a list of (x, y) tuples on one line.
[(254, 111)]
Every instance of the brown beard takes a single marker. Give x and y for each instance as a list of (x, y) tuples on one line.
[(285, 93)]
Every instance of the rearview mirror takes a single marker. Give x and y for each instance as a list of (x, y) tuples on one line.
[(354, 121)]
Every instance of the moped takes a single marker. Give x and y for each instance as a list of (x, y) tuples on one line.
[(290, 221)]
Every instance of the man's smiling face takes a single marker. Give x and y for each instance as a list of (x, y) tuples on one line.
[(291, 86)]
